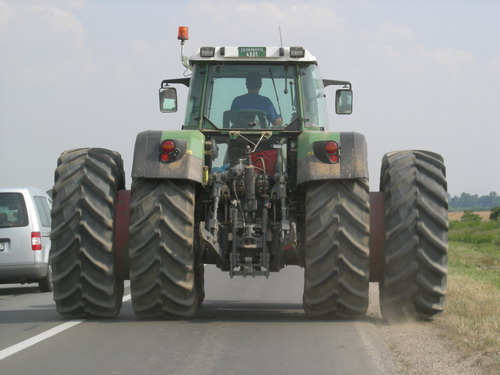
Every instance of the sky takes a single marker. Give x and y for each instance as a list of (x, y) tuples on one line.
[(86, 73)]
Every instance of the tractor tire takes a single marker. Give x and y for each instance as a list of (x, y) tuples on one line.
[(416, 235), (162, 272), (82, 254), (336, 248)]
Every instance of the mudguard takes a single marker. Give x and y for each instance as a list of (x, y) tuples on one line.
[(352, 164), (188, 163)]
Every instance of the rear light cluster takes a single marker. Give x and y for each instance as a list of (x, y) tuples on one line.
[(168, 151), (36, 241), (332, 151), (327, 151)]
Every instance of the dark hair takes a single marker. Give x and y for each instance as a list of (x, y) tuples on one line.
[(254, 80)]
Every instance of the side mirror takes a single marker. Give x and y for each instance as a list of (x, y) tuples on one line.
[(343, 102), (168, 100)]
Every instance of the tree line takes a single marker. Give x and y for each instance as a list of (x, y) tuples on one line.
[(473, 202)]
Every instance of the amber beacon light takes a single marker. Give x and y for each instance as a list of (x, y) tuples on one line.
[(183, 33)]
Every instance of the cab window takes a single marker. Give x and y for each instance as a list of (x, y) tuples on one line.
[(225, 82), (314, 98)]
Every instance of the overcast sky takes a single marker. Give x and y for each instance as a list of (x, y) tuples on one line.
[(86, 73)]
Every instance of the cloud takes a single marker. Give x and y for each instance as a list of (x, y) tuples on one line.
[(43, 44), (72, 4), (257, 22), (5, 14), (390, 33), (57, 20), (22, 23)]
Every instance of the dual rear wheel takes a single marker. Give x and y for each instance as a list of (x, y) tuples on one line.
[(86, 279), (415, 246)]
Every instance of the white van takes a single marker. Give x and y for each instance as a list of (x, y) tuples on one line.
[(25, 236)]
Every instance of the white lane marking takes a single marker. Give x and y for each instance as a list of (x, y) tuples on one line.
[(44, 336), (40, 337)]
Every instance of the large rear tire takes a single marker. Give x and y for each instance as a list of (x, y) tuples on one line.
[(416, 235), (336, 248), (161, 248), (82, 254)]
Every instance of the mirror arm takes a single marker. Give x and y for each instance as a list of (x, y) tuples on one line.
[(331, 82)]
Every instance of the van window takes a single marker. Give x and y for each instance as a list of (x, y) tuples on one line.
[(12, 210), (43, 210)]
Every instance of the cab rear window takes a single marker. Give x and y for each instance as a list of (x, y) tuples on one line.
[(12, 210)]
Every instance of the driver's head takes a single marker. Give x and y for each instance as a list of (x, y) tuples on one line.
[(254, 81)]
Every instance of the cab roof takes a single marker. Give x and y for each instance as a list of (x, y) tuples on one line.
[(253, 54)]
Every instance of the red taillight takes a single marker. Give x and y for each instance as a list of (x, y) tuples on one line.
[(167, 150), (332, 149), (167, 146), (334, 158), (36, 241)]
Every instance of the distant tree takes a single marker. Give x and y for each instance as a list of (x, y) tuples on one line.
[(495, 213), (473, 202)]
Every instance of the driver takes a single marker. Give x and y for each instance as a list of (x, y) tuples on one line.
[(253, 100)]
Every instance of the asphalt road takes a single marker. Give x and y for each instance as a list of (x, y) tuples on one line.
[(245, 326)]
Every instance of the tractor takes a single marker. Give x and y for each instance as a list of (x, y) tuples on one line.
[(254, 181)]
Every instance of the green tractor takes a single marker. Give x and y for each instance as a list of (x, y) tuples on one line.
[(253, 182)]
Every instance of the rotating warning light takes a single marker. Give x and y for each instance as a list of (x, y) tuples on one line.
[(183, 33)]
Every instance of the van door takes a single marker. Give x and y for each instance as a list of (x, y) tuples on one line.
[(43, 207), (15, 231)]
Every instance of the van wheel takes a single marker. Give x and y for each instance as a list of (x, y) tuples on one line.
[(82, 254), (45, 284)]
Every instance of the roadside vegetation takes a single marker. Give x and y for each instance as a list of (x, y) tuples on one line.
[(471, 320)]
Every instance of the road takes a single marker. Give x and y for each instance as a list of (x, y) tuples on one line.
[(246, 326)]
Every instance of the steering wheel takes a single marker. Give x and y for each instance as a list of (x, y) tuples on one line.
[(250, 118)]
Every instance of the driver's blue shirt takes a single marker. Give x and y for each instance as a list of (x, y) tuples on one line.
[(257, 102)]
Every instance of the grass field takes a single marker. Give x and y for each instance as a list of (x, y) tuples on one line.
[(456, 216), (471, 319)]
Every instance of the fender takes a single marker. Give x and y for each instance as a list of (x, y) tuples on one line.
[(188, 163), (352, 164)]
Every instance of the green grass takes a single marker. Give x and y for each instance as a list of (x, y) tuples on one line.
[(471, 317), (474, 250), (474, 232)]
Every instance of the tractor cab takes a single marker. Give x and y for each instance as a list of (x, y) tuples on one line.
[(255, 89), (251, 101)]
